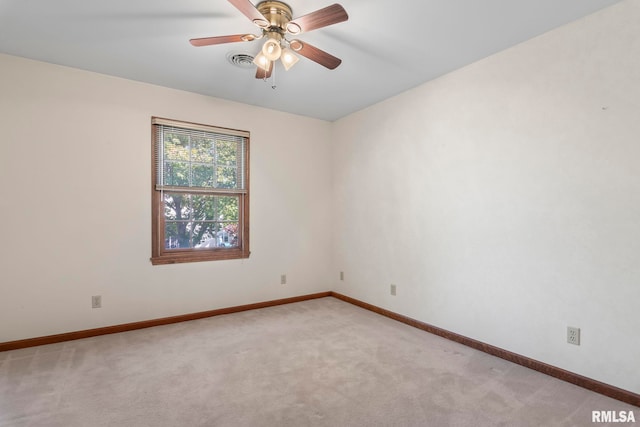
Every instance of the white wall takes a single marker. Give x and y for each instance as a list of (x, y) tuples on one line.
[(75, 207), (503, 199)]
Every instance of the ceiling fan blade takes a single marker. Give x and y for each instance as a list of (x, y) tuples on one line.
[(317, 55), (264, 74), (208, 41), (249, 10), (320, 18)]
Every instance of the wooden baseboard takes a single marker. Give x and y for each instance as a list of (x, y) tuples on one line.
[(69, 336), (579, 380)]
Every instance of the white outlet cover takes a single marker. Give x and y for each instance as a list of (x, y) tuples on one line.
[(96, 301), (573, 335)]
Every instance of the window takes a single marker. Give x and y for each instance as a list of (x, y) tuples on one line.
[(200, 192)]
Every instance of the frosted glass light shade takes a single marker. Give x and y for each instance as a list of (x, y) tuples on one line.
[(262, 62), (271, 49), (288, 58)]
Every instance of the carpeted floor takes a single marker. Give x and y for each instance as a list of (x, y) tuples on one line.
[(322, 362)]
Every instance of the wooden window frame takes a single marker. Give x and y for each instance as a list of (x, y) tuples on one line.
[(159, 254)]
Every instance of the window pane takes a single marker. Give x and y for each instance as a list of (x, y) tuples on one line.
[(202, 175), (226, 177), (228, 208), (227, 151), (176, 173), (176, 146), (171, 236), (200, 221), (204, 207), (202, 149)]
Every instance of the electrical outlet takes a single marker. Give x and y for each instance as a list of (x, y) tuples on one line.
[(96, 301), (342, 275), (573, 335), (283, 279), (393, 289)]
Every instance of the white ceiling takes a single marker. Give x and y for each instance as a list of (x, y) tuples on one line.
[(386, 47)]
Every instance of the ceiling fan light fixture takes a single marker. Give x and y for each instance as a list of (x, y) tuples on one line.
[(262, 62), (288, 58), (274, 17), (271, 49)]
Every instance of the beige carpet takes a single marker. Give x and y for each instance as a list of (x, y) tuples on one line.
[(316, 363)]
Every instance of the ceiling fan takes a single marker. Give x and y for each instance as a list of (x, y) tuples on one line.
[(274, 18)]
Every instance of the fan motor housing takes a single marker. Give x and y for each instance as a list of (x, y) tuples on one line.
[(276, 12)]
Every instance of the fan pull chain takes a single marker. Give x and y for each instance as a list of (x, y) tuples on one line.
[(273, 76)]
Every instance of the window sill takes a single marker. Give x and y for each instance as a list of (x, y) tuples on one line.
[(199, 256)]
